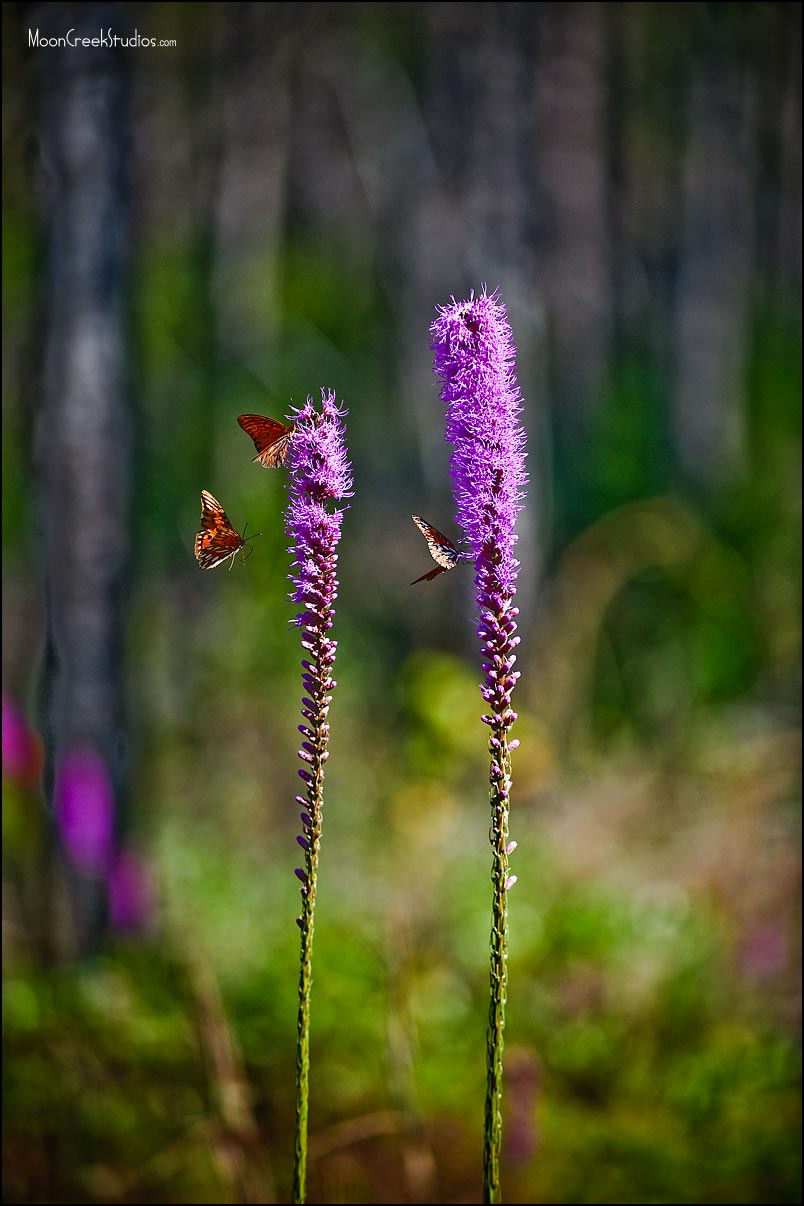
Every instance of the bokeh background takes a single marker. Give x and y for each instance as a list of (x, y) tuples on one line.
[(277, 203)]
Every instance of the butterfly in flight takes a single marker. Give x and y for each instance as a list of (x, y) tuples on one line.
[(441, 549), (217, 539), (271, 439)]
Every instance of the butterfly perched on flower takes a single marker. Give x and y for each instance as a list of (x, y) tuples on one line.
[(217, 539), (271, 439), (441, 549)]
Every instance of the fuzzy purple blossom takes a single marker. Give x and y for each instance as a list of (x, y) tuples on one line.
[(131, 893), (474, 357), (22, 748), (320, 478), (85, 810), (320, 475)]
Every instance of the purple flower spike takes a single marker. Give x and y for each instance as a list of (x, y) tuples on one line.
[(320, 478), (84, 805), (22, 748), (131, 894), (474, 357)]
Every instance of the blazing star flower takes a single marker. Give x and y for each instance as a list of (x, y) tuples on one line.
[(22, 748), (474, 357), (320, 476), (84, 806), (131, 893)]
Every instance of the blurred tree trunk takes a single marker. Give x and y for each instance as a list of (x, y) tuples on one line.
[(776, 55), (471, 222), (250, 205), (82, 438), (572, 134), (789, 253), (715, 256)]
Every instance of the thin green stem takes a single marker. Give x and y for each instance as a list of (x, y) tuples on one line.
[(303, 1037), (498, 973), (315, 800)]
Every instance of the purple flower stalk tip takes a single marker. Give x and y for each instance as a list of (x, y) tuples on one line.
[(474, 357)]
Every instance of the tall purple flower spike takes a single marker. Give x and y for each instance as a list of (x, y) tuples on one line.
[(84, 807), (132, 903), (474, 357), (320, 476), (22, 747)]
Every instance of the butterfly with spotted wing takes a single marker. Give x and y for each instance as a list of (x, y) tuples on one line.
[(271, 439), (442, 550), (217, 539)]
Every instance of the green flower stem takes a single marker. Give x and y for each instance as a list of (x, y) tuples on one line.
[(315, 800), (303, 1032), (500, 777)]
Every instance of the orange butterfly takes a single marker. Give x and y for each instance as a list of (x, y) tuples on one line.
[(271, 439), (441, 549), (217, 539)]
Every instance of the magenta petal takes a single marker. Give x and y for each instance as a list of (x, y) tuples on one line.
[(85, 808), (22, 758), (131, 895)]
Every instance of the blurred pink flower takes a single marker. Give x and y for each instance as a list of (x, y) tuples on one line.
[(765, 952), (22, 747), (523, 1078), (131, 896), (84, 805)]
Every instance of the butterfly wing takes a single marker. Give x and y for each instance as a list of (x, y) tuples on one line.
[(442, 550), (271, 439), (433, 573), (217, 539)]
